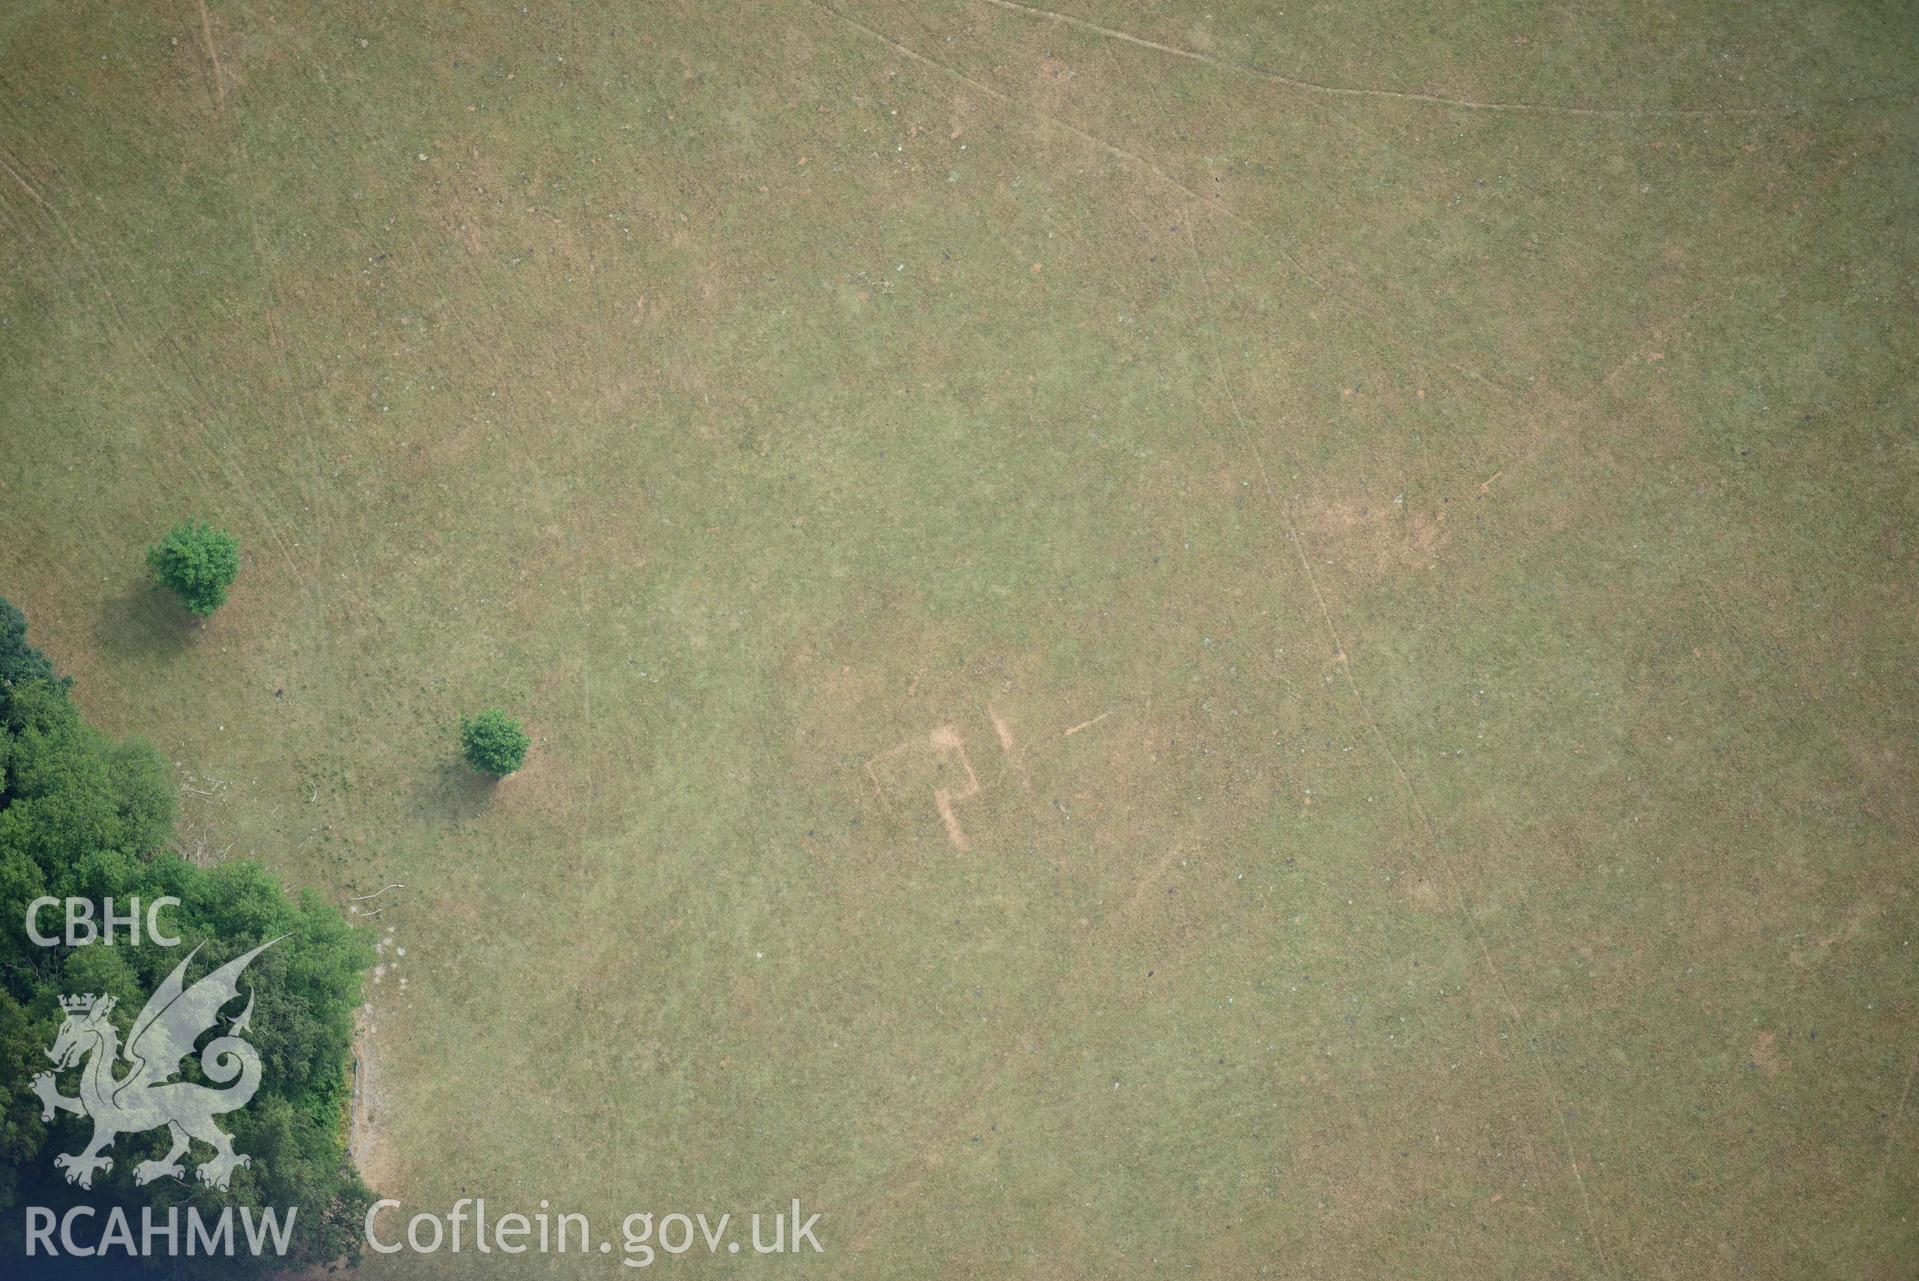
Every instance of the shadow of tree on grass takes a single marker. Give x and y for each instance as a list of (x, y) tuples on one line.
[(142, 620), (455, 790)]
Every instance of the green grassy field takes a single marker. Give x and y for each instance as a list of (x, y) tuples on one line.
[(1141, 662)]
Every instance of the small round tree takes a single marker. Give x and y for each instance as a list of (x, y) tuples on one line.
[(199, 562), (493, 742)]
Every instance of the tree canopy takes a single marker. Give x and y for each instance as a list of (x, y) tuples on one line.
[(199, 562), (83, 816), (493, 742), (19, 661)]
